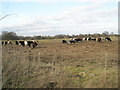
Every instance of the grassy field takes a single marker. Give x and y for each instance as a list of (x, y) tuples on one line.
[(55, 65)]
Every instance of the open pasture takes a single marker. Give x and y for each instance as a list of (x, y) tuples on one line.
[(52, 64)]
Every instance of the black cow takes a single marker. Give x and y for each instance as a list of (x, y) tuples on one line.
[(86, 39), (17, 42), (108, 39), (64, 41), (78, 40), (2, 42)]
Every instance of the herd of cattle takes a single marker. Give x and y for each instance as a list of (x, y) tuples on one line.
[(75, 40), (34, 43)]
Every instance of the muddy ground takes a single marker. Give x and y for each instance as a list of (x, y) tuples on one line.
[(53, 64)]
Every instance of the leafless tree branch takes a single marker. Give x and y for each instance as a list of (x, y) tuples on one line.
[(5, 16)]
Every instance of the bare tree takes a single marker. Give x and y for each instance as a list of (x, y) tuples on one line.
[(112, 33), (1, 18), (105, 33)]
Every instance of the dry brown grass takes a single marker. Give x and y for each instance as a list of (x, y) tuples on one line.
[(55, 65)]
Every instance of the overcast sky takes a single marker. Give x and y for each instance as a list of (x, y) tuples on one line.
[(51, 17)]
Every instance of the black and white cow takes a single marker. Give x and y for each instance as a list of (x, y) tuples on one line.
[(29, 43), (72, 41), (2, 42), (83, 39), (108, 39), (6, 42), (93, 39), (78, 39), (25, 43), (86, 39), (64, 41), (89, 39), (34, 44), (22, 43)]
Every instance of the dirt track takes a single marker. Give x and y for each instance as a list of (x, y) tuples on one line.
[(52, 61)]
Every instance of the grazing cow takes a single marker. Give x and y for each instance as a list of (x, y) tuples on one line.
[(22, 43), (34, 44), (89, 39), (9, 42), (6, 42), (2, 42), (64, 41), (99, 39), (72, 41), (108, 39), (78, 40), (93, 39), (83, 39), (26, 43), (29, 43), (17, 42), (69, 41)]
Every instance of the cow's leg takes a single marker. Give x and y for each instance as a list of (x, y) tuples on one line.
[(29, 45)]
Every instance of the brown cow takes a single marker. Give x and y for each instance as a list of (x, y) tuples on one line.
[(34, 44), (99, 39)]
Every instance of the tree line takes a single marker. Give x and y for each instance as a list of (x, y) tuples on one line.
[(5, 35)]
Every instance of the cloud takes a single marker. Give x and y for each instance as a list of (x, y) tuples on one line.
[(48, 1), (92, 18)]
